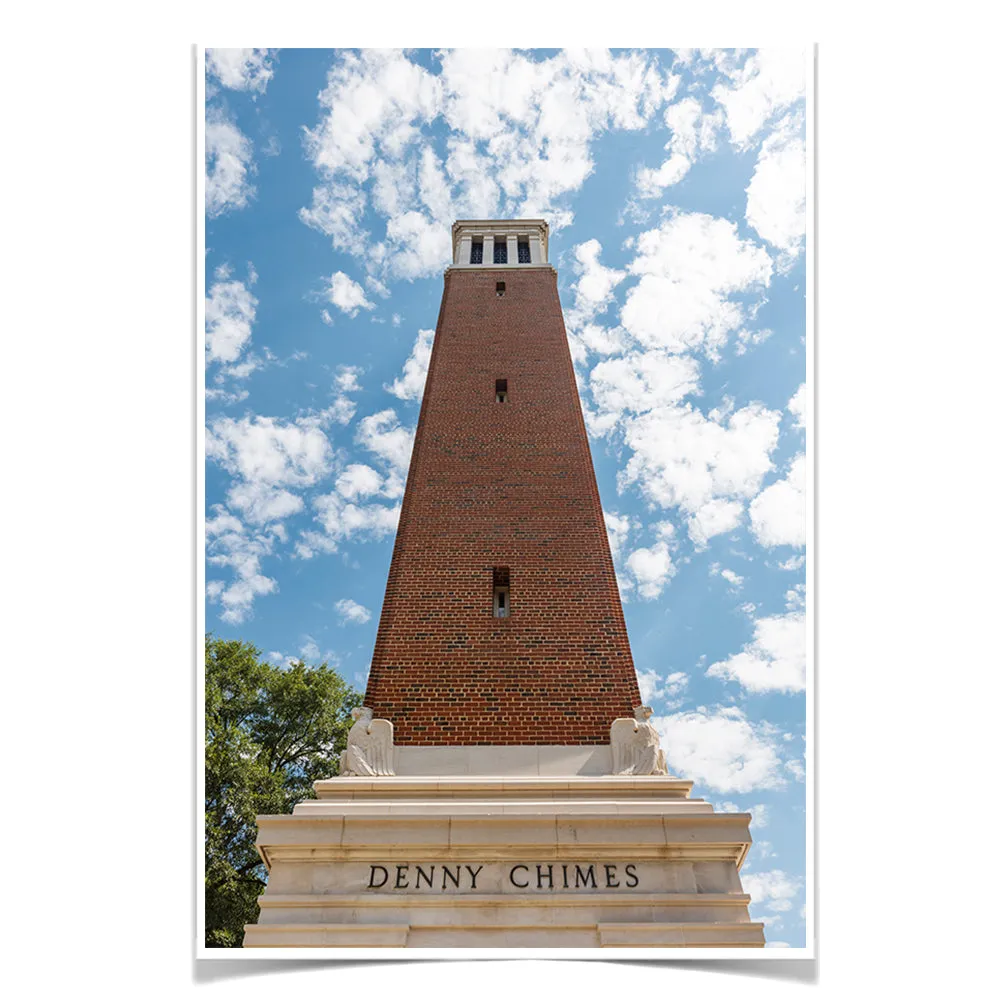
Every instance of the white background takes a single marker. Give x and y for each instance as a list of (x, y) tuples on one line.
[(98, 404)]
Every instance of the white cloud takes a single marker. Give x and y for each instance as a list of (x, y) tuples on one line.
[(795, 599), (776, 195), (778, 513), (595, 285), (775, 660), (230, 311), (641, 381), (346, 378), (345, 521), (596, 338), (680, 458), (689, 268), (648, 685), (797, 407), (247, 366), (222, 522), (733, 579), (224, 397), (715, 517), (309, 650), (723, 750), (653, 686), (229, 545), (769, 81), (537, 117), (745, 339), (265, 456), (351, 611), (359, 481), (335, 211), (371, 99), (269, 451), (411, 384), (240, 69), (792, 563), (415, 246), (618, 526), (228, 166), (692, 132), (342, 409), (382, 434), (797, 768), (261, 503), (652, 567), (347, 295), (774, 890)]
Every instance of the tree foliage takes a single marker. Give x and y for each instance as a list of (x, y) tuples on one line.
[(270, 732)]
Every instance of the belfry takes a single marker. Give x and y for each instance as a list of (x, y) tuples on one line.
[(502, 785)]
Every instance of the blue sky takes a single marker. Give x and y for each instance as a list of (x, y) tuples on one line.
[(674, 183)]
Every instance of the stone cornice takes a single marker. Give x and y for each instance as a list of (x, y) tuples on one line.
[(312, 900), (475, 786)]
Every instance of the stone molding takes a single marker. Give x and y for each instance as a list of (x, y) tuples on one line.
[(651, 867), (493, 935), (612, 787), (512, 761), (500, 267)]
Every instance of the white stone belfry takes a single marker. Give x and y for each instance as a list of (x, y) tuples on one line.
[(530, 234)]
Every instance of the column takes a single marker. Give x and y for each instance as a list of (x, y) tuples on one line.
[(512, 248), (464, 251), (488, 250), (535, 243)]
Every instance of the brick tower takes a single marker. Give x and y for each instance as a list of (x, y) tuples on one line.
[(502, 622), (502, 787)]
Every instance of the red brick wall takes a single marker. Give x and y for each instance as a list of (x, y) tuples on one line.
[(501, 484)]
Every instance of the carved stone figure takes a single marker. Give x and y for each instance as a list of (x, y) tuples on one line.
[(369, 746), (635, 745)]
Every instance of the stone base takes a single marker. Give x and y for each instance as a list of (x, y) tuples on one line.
[(535, 861)]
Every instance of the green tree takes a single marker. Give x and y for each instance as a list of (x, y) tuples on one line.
[(269, 734)]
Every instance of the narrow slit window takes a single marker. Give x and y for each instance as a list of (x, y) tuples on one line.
[(523, 253), (476, 257), (501, 390), (501, 592), (501, 289), (500, 252)]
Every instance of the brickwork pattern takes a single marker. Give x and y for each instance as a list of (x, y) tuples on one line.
[(501, 485)]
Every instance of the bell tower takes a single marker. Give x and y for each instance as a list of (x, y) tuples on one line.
[(502, 787), (502, 623)]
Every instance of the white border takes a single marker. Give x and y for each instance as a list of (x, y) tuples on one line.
[(199, 557), (377, 955), (810, 410)]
